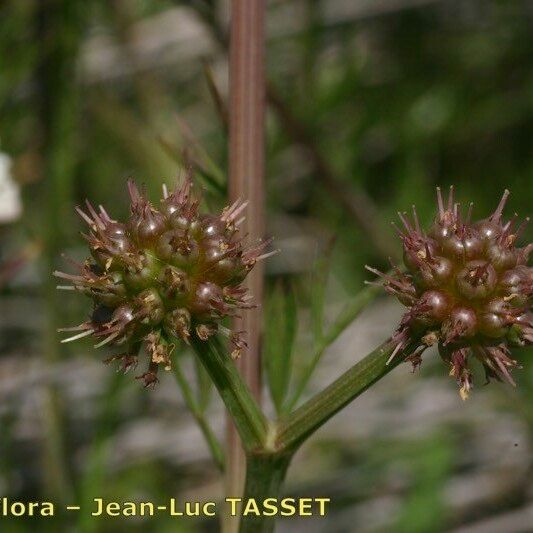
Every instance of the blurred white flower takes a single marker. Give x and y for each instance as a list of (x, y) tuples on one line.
[(10, 202)]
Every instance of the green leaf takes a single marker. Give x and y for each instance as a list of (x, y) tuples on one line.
[(211, 178), (350, 312), (318, 290), (216, 96), (280, 335), (200, 157)]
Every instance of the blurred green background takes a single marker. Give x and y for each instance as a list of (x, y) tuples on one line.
[(370, 106)]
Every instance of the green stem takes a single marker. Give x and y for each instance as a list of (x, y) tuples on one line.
[(247, 416), (265, 474), (58, 32), (295, 428), (346, 317), (199, 415), (95, 472)]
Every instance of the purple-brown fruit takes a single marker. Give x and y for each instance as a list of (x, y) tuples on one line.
[(165, 275), (467, 287)]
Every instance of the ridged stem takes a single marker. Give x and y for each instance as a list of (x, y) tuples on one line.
[(295, 428), (266, 469), (246, 177), (246, 414), (265, 474)]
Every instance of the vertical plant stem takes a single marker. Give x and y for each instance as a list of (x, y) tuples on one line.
[(246, 180), (264, 478), (353, 200), (57, 31)]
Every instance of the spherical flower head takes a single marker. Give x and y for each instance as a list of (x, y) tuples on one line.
[(165, 275), (468, 288)]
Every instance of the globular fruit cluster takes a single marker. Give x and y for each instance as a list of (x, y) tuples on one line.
[(165, 275), (467, 287)]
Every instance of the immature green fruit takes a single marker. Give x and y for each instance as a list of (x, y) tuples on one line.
[(164, 275), (468, 287)]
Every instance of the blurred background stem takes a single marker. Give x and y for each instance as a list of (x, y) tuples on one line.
[(246, 181), (57, 29), (199, 416)]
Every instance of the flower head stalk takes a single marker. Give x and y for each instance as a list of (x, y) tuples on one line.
[(167, 274), (468, 289)]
